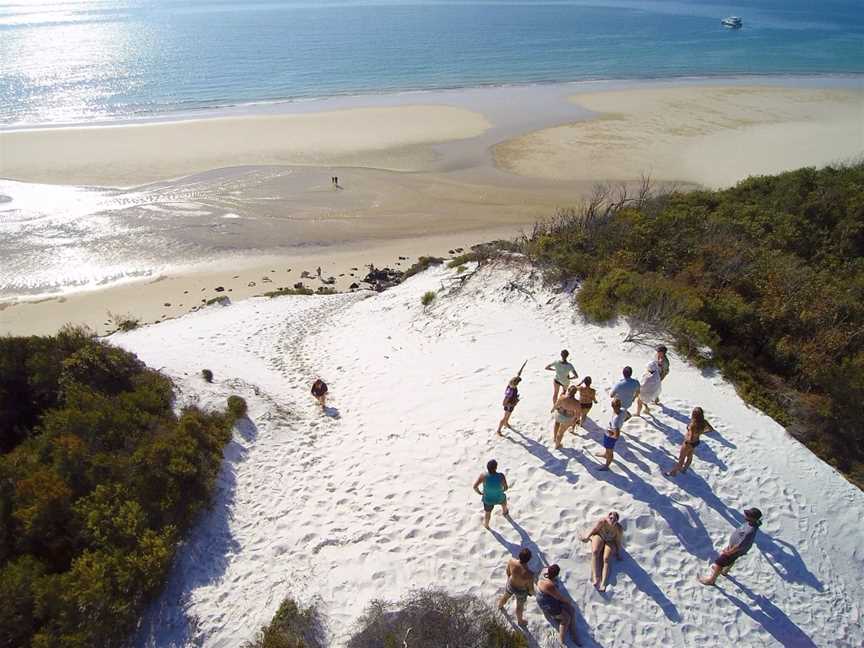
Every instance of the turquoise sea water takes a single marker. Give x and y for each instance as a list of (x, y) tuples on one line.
[(77, 60)]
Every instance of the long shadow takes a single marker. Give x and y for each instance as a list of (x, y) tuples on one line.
[(202, 559), (524, 541), (332, 412), (582, 630), (549, 462), (786, 561), (685, 419), (646, 584), (770, 617)]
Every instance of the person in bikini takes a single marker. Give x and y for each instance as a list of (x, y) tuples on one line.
[(606, 538), (319, 391), (587, 398), (566, 413), (555, 605), (695, 428), (511, 399), (520, 583), (563, 370)]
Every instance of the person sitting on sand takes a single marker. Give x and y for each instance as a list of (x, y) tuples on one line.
[(587, 398), (520, 583), (626, 391), (566, 412), (695, 428), (739, 544), (555, 605), (319, 391), (649, 388), (662, 362), (494, 487), (606, 538), (511, 399), (563, 370), (613, 433)]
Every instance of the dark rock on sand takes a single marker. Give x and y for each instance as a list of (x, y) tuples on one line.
[(219, 289)]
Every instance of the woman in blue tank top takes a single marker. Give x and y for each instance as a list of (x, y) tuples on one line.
[(494, 485)]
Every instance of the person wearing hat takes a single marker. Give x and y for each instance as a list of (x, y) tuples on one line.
[(739, 544), (555, 605), (511, 398)]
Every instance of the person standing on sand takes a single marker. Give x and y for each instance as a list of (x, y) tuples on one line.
[(555, 605), (613, 433), (649, 388), (566, 412), (606, 538), (562, 369), (587, 398), (662, 362), (511, 399), (626, 391), (520, 583), (739, 544), (494, 487), (695, 428), (319, 391)]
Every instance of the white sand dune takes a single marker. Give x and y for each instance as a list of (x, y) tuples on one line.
[(374, 498)]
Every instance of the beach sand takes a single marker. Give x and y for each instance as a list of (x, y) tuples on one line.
[(713, 136)]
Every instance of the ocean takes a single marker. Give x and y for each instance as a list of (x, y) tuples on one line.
[(80, 61)]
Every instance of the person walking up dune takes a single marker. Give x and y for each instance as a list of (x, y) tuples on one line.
[(606, 538), (587, 398), (520, 583), (511, 399), (739, 544), (493, 493), (613, 433), (626, 390), (563, 370), (319, 391), (555, 605), (566, 412), (649, 388), (695, 428)]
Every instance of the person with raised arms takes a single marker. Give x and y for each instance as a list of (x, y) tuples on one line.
[(564, 373), (606, 539), (493, 493)]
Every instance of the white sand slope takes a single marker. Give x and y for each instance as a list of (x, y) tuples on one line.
[(375, 498)]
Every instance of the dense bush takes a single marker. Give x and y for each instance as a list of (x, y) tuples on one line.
[(423, 263), (237, 406), (291, 627), (769, 275), (427, 298), (433, 618), (207, 375), (98, 480)]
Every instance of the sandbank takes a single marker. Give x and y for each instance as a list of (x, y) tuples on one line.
[(710, 135)]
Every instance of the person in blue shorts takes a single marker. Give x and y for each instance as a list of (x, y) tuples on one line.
[(613, 433), (493, 493)]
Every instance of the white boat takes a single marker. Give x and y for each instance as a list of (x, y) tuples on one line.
[(733, 22)]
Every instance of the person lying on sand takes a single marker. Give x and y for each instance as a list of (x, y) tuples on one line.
[(626, 390), (587, 398), (613, 433), (494, 485), (695, 428), (606, 538), (555, 605), (563, 370), (739, 544), (520, 583), (511, 399), (566, 412), (319, 391)]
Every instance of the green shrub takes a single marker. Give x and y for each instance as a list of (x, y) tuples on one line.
[(123, 322), (427, 298), (282, 292), (237, 406), (423, 263), (433, 618), (291, 627)]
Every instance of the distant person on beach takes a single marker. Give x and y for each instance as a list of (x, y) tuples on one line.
[(511, 399), (739, 544), (563, 370), (613, 433), (319, 391), (587, 397), (606, 538), (663, 362), (520, 583), (626, 390), (555, 605), (649, 388), (695, 428), (566, 412), (494, 487), (318, 271)]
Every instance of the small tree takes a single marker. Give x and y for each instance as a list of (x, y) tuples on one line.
[(427, 299)]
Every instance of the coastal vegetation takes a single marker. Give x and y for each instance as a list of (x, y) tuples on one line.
[(427, 298), (291, 627), (99, 479), (764, 281)]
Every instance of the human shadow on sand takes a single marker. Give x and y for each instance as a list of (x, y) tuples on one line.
[(548, 461), (769, 616), (684, 418), (203, 558), (629, 567), (704, 452), (786, 561), (332, 412)]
